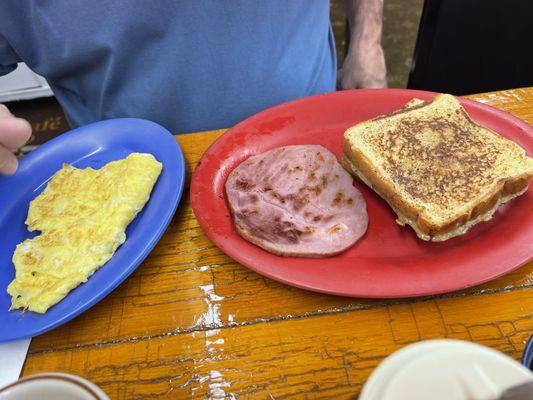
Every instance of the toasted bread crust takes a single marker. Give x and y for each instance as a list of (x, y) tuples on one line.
[(502, 190), (481, 212)]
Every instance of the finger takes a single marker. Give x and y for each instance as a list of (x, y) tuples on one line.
[(8, 162), (4, 111), (349, 83), (14, 132)]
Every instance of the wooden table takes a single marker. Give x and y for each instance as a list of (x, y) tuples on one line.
[(192, 323)]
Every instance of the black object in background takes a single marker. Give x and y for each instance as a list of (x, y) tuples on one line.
[(472, 46), (46, 117)]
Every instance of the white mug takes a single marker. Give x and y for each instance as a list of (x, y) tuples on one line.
[(444, 369), (55, 386)]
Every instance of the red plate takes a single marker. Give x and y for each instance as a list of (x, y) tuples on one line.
[(389, 261)]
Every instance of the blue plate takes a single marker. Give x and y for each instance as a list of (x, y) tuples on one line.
[(527, 356), (89, 146)]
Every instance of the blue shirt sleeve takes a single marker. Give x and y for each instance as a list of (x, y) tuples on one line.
[(8, 57)]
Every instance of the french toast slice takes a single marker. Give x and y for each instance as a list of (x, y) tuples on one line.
[(440, 172)]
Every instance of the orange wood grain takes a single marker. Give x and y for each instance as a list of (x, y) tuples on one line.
[(192, 323), (322, 356)]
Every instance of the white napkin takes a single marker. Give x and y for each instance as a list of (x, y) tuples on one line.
[(12, 357)]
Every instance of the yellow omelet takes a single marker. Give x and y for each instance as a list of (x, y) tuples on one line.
[(82, 216)]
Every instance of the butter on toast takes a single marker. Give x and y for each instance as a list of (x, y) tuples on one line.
[(439, 171)]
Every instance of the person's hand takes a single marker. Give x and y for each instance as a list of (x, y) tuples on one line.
[(14, 132), (364, 67)]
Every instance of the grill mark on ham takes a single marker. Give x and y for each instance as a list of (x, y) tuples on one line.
[(244, 185), (296, 201)]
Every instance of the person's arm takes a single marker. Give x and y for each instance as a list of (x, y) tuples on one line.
[(14, 132), (364, 66)]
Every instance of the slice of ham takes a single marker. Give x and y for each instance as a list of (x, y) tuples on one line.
[(296, 201)]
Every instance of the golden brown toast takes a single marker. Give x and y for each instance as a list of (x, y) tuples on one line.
[(440, 172)]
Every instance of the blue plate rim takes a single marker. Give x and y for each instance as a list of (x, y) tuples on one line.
[(147, 248), (527, 355)]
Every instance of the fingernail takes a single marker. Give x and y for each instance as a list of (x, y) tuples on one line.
[(9, 167)]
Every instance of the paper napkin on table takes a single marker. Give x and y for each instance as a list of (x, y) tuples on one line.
[(12, 356)]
